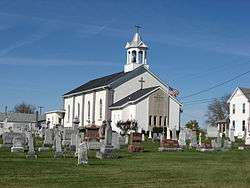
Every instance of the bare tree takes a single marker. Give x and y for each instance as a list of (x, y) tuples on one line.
[(217, 110), (25, 108)]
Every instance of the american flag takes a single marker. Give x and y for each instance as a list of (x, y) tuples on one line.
[(173, 92)]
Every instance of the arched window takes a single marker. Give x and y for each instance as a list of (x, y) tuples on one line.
[(68, 112), (100, 110), (78, 110), (140, 57), (88, 110), (133, 56)]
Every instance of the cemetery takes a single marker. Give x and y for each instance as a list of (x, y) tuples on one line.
[(100, 157)]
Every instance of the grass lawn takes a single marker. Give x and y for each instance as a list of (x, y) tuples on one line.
[(148, 169)]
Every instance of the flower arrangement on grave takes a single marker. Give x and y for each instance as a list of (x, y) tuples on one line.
[(126, 126)]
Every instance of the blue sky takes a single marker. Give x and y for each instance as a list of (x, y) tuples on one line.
[(49, 47)]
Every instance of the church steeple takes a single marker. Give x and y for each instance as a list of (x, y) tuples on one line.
[(136, 53)]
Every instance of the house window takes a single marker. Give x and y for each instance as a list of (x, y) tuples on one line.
[(68, 112), (100, 113), (78, 110), (140, 56), (233, 124), (243, 125), (88, 110), (150, 120), (154, 120), (133, 56), (233, 108), (160, 121), (165, 120), (243, 108)]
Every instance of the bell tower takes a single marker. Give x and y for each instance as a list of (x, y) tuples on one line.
[(136, 52)]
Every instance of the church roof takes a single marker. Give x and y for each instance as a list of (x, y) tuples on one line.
[(99, 82), (134, 97)]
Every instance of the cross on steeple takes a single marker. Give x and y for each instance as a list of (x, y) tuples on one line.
[(141, 81), (137, 27)]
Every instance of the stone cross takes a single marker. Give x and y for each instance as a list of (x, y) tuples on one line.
[(108, 135), (141, 81), (31, 153), (58, 142)]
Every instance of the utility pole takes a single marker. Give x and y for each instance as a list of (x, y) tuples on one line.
[(40, 109)]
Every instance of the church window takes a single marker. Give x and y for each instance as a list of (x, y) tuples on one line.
[(68, 112), (140, 56), (88, 110), (243, 125), (155, 120), (149, 120), (165, 120), (233, 124), (78, 110), (100, 113), (233, 108), (243, 108), (133, 56), (160, 121)]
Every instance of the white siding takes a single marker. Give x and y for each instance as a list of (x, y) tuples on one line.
[(133, 85), (88, 97), (68, 121), (115, 117), (142, 114), (100, 95), (174, 114), (238, 99)]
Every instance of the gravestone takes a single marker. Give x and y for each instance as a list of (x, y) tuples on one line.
[(218, 141), (169, 145), (122, 140), (18, 144), (182, 138), (135, 142), (227, 144), (193, 139), (75, 125), (143, 137), (58, 152), (48, 138), (92, 137), (106, 149), (115, 140), (231, 135), (8, 138), (78, 142), (200, 139), (66, 138), (83, 153), (31, 153), (174, 137)]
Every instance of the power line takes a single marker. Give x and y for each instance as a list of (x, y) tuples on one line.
[(217, 85)]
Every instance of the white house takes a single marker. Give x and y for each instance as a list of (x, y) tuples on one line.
[(239, 104), (54, 118), (135, 93)]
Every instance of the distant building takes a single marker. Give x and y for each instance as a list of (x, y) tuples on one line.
[(54, 118), (18, 121), (239, 104)]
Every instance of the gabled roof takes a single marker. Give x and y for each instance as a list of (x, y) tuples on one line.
[(134, 97), (18, 117), (99, 82), (245, 91)]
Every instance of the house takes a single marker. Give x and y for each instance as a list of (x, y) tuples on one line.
[(239, 104), (54, 118), (136, 93)]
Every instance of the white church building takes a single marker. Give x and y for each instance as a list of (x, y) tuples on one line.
[(135, 93)]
